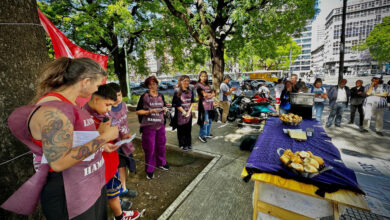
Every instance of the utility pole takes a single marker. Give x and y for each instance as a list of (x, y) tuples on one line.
[(289, 66), (342, 41), (127, 73)]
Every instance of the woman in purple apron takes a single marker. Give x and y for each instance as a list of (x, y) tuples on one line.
[(205, 106), (183, 100), (68, 149), (150, 111)]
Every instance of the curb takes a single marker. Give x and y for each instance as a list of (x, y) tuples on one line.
[(187, 191)]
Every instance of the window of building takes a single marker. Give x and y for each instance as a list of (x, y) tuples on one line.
[(364, 5)]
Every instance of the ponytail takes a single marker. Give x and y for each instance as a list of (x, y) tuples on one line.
[(64, 72)]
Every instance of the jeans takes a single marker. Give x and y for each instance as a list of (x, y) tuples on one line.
[(205, 129), (361, 114), (318, 107), (336, 111)]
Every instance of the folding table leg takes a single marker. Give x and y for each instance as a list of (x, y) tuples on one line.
[(255, 198), (336, 212)]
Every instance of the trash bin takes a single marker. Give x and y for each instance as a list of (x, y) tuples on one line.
[(302, 104)]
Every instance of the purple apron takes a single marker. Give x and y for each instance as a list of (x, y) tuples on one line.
[(82, 182), (119, 119), (154, 120), (185, 99), (207, 103)]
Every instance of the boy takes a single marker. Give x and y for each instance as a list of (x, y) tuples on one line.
[(98, 106), (118, 114)]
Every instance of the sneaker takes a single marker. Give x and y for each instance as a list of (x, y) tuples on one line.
[(149, 175), (189, 147), (364, 130), (337, 125), (125, 204), (210, 136), (379, 133), (165, 167), (202, 139), (130, 215), (328, 125), (185, 149), (129, 193)]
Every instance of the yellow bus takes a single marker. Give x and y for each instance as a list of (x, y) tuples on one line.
[(267, 75)]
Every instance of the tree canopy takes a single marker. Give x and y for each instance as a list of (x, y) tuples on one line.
[(229, 26), (378, 41), (106, 26)]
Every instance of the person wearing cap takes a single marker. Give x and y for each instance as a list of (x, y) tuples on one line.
[(338, 101), (224, 96), (375, 104)]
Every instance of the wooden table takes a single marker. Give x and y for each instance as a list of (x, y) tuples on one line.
[(292, 194)]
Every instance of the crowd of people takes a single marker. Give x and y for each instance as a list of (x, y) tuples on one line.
[(80, 168), (370, 100)]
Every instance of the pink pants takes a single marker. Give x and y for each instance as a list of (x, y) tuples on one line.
[(153, 143)]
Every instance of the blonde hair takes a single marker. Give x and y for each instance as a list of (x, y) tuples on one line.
[(64, 72)]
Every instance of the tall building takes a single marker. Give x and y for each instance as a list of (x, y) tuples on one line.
[(362, 16), (301, 65)]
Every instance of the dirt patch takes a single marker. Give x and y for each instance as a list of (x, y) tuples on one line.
[(157, 194)]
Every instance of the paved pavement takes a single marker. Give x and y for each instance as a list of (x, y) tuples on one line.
[(223, 195)]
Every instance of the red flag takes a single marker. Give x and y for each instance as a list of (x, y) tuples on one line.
[(63, 47)]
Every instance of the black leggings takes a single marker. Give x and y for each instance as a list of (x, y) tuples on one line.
[(53, 201), (184, 134)]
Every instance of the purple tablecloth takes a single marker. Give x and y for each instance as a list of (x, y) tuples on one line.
[(264, 157)]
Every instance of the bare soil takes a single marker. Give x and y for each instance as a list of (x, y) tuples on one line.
[(157, 194)]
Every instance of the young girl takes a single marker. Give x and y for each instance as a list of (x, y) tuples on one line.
[(205, 106), (150, 109), (99, 106), (70, 177), (319, 98), (183, 100)]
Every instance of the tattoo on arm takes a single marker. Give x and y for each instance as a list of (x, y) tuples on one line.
[(84, 151), (56, 136)]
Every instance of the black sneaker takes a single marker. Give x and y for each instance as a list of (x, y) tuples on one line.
[(165, 167), (202, 139), (364, 130), (126, 205), (210, 136), (338, 125), (149, 175), (185, 148), (189, 147), (379, 133), (129, 193)]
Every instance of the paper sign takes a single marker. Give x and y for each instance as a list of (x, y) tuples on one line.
[(125, 141)]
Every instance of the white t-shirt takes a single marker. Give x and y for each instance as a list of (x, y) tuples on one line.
[(341, 95), (278, 90), (321, 90), (265, 90)]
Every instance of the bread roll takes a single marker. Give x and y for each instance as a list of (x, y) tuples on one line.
[(285, 159), (296, 159), (310, 169), (319, 160), (314, 163), (297, 166), (304, 154)]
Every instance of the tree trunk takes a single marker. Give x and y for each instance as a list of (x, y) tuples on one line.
[(120, 69), (22, 52), (217, 51)]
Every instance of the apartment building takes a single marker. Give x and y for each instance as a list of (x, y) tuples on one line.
[(362, 16)]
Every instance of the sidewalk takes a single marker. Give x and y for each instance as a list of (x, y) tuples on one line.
[(222, 194), (368, 154)]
